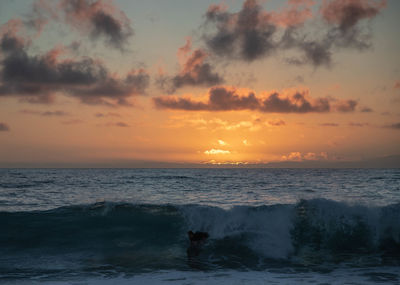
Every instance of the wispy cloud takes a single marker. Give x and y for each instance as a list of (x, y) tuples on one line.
[(366, 110), (117, 124), (57, 113), (276, 123), (329, 125), (105, 115), (395, 126), (358, 124), (72, 122), (4, 127)]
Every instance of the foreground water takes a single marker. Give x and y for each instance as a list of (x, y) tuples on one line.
[(124, 226)]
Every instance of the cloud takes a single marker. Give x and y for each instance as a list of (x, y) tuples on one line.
[(72, 122), (329, 125), (104, 115), (57, 113), (221, 142), (297, 103), (11, 38), (298, 156), (247, 34), (225, 99), (345, 106), (10, 42), (216, 151), (293, 156), (115, 124), (276, 123), (355, 124), (253, 32), (395, 126), (100, 19), (195, 71), (37, 78), (296, 13), (217, 124), (347, 13), (4, 127), (121, 124), (366, 110)]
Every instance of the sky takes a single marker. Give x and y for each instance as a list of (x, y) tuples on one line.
[(198, 82)]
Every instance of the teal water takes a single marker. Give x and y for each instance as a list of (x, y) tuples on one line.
[(69, 225)]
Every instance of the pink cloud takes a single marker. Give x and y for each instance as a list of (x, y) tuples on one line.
[(347, 13), (195, 70), (294, 14)]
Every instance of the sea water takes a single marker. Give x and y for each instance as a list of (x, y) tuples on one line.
[(266, 226)]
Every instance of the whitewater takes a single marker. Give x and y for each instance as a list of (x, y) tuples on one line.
[(129, 226)]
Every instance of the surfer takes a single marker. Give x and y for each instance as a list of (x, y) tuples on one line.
[(197, 238)]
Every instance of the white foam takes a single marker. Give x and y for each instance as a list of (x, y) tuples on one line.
[(269, 229)]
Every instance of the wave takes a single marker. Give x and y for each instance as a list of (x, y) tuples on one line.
[(141, 237)]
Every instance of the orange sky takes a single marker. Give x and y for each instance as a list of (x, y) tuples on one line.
[(98, 92)]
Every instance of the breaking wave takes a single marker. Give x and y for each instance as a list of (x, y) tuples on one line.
[(109, 237)]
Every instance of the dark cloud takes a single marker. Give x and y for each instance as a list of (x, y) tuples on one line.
[(297, 103), (254, 33), (247, 34), (277, 123), (395, 126), (195, 71), (366, 110), (353, 124), (106, 25), (56, 113), (116, 124), (345, 105), (329, 125), (72, 122), (109, 114), (10, 42), (121, 124), (224, 99), (316, 53), (347, 13), (101, 18), (36, 78), (4, 127)]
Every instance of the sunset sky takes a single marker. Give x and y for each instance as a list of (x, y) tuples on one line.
[(185, 81)]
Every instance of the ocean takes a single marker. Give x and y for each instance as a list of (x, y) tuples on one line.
[(266, 226)]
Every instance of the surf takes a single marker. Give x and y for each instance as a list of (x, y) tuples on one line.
[(143, 237)]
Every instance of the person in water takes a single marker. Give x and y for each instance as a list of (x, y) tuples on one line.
[(197, 238)]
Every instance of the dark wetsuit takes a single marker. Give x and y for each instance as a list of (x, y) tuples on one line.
[(196, 240)]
